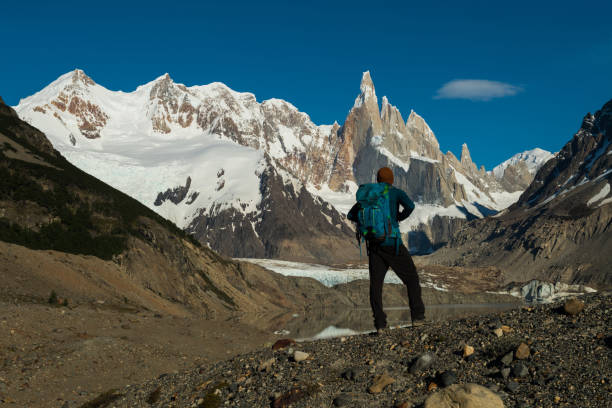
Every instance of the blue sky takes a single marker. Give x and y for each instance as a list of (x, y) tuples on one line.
[(503, 77)]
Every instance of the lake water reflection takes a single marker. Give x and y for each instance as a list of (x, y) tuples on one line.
[(324, 323)]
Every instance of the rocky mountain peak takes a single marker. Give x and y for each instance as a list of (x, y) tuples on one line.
[(466, 158), (367, 86), (163, 88), (588, 122), (367, 98), (80, 77)]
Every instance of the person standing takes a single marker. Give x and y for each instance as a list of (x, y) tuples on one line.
[(391, 253)]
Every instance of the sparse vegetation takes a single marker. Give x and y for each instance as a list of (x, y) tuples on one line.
[(53, 298)]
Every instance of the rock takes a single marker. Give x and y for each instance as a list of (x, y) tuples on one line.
[(512, 386), (506, 329), (505, 372), (507, 359), (404, 404), (573, 307), (267, 365), (293, 395), (519, 370), (468, 350), (448, 378), (342, 400), (422, 363), (349, 374), (282, 343), (464, 396), (498, 332), (493, 387), (432, 386), (380, 383), (522, 352), (300, 356)]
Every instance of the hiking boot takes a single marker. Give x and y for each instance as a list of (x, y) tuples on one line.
[(380, 331), (418, 322)]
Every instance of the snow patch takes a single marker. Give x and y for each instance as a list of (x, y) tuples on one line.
[(605, 190)]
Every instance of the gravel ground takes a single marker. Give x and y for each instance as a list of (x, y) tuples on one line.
[(537, 356)]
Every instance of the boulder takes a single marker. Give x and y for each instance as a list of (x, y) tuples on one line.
[(464, 396), (380, 383), (422, 363), (300, 356), (522, 352), (573, 307), (282, 343)]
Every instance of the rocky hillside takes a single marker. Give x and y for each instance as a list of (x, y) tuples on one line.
[(64, 230), (209, 159), (556, 355), (559, 230)]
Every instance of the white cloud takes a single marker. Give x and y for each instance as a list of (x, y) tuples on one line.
[(476, 90)]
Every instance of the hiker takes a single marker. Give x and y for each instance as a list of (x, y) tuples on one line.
[(385, 248)]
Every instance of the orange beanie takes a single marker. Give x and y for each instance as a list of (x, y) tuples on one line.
[(384, 175)]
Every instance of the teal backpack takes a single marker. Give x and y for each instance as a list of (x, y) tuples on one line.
[(374, 224)]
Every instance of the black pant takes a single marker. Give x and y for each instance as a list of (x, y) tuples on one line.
[(381, 258)]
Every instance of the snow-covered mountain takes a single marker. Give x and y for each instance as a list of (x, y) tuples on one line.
[(533, 160), (256, 178)]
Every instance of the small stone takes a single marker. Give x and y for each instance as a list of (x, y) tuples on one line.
[(468, 350), (448, 378), (300, 356), (522, 352), (557, 399), (422, 363), (498, 332), (505, 372), (493, 387), (519, 370), (463, 396), (349, 374), (432, 386), (342, 339), (282, 343), (342, 400), (507, 359), (380, 383), (267, 365), (573, 307), (506, 329), (404, 404), (512, 386)]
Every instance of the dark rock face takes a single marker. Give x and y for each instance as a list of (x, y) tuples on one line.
[(289, 224), (176, 195), (560, 229), (586, 155)]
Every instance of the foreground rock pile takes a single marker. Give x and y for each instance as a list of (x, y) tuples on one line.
[(544, 356)]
